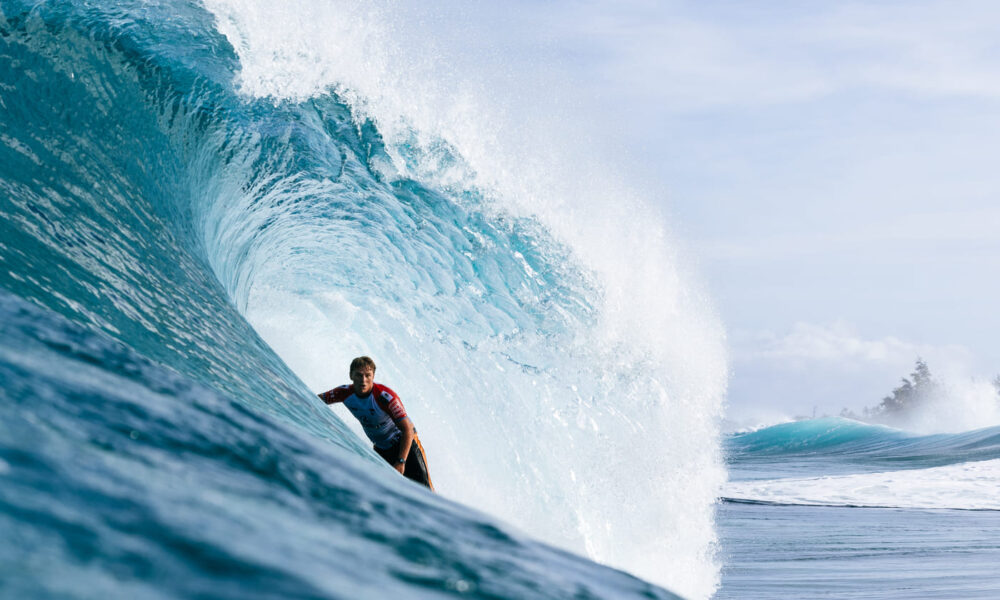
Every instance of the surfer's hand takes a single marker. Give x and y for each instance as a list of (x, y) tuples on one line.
[(400, 467)]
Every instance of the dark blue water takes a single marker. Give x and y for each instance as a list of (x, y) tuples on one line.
[(151, 445)]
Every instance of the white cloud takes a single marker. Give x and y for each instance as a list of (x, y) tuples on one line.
[(839, 342)]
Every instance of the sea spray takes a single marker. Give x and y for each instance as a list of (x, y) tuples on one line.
[(959, 403), (527, 303)]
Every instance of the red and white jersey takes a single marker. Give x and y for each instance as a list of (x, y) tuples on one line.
[(378, 412)]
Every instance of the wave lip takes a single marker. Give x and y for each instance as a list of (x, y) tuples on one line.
[(966, 486)]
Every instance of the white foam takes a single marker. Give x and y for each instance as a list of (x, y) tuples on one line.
[(968, 486)]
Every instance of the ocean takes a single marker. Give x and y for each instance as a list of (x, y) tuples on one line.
[(199, 230)]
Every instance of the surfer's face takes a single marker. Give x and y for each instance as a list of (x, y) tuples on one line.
[(363, 380)]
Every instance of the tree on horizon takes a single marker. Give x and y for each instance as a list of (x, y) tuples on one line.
[(911, 393)]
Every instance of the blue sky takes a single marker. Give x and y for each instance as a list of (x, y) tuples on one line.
[(831, 166)]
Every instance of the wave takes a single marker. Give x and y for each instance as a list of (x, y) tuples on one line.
[(149, 209), (841, 439), (812, 435), (132, 479)]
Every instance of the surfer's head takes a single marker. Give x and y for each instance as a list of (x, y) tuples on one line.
[(363, 375)]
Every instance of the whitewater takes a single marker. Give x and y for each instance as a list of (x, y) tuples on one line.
[(969, 486), (208, 209)]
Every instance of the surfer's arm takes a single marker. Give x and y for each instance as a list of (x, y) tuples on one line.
[(405, 441), (335, 395), (390, 403)]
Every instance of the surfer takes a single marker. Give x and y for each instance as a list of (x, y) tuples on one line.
[(384, 420)]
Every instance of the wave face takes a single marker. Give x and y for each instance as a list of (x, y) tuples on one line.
[(832, 434), (151, 442), (845, 439), (840, 462)]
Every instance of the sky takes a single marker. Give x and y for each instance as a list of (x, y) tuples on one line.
[(831, 167)]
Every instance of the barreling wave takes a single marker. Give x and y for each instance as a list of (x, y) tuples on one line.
[(147, 207)]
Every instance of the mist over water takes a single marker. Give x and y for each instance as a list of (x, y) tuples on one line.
[(529, 306), (959, 404)]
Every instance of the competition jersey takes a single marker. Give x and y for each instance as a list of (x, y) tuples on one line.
[(377, 412)]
